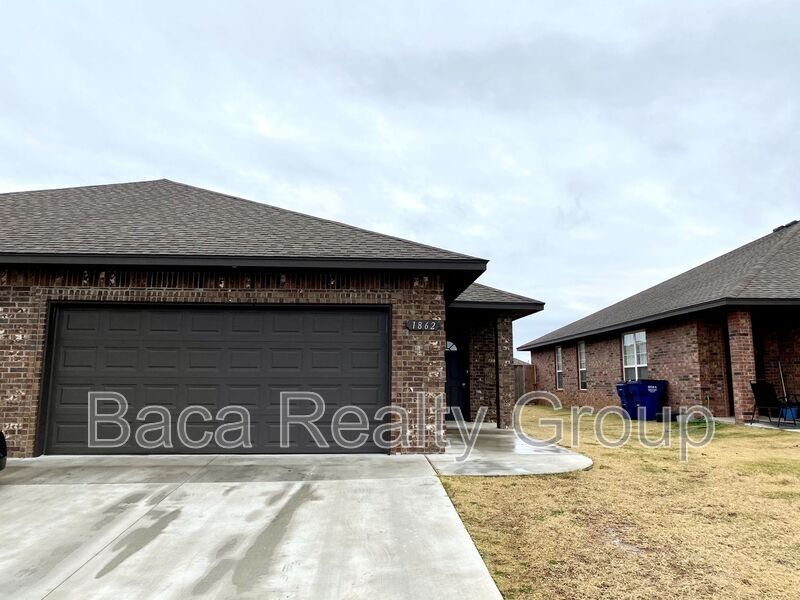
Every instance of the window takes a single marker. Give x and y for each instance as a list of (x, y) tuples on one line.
[(582, 381), (559, 369), (634, 356), (451, 347)]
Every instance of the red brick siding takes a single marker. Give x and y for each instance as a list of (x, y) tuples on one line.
[(543, 362), (673, 354), (603, 370), (713, 359), (482, 367), (743, 365), (781, 339), (689, 353), (508, 398), (25, 297)]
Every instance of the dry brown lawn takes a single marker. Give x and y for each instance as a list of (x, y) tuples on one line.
[(641, 524)]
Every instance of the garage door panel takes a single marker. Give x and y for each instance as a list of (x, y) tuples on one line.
[(283, 323), (202, 395), (365, 360), (368, 323), (285, 359), (204, 359), (122, 322), (77, 358), (162, 359), (326, 359), (202, 322), (327, 324), (368, 396), (161, 395), (74, 394), (119, 358), (179, 357), (245, 359), (247, 324), (81, 321), (249, 396)]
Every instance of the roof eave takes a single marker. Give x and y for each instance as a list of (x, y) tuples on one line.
[(535, 345), (518, 309), (155, 260)]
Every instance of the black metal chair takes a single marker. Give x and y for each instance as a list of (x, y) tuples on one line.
[(770, 404)]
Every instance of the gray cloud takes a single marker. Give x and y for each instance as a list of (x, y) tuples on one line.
[(588, 150)]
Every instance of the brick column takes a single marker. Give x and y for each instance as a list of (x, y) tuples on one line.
[(505, 361), (743, 361)]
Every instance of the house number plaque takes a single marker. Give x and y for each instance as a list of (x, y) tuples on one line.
[(423, 325)]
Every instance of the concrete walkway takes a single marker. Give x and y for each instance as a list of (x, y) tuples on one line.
[(364, 526), (763, 423), (500, 452)]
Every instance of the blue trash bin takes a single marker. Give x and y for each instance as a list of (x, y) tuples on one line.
[(626, 399), (650, 394)]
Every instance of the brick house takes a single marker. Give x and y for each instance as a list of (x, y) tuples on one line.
[(708, 332), (181, 297)]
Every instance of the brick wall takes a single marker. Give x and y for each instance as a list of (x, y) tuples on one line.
[(508, 398), (482, 366), (780, 334), (713, 358), (689, 353), (743, 365), (25, 297), (603, 370), (673, 355)]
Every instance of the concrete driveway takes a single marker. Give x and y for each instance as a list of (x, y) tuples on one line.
[(233, 527)]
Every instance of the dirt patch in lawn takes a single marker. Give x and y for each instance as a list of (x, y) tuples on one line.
[(641, 524)]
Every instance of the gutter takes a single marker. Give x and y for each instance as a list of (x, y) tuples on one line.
[(160, 260), (534, 345)]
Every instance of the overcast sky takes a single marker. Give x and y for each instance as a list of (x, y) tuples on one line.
[(588, 149)]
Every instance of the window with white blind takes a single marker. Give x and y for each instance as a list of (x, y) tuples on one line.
[(634, 356), (583, 382), (559, 369)]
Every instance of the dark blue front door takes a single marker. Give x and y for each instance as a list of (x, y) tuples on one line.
[(456, 385)]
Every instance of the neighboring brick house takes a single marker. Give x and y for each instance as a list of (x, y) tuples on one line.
[(708, 332), (181, 297)]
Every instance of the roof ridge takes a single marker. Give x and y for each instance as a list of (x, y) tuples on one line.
[(306, 215), (762, 262), (83, 187)]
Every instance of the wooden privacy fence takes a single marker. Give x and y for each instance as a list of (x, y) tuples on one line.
[(525, 376)]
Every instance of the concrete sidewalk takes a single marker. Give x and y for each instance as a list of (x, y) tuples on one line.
[(362, 526), (499, 452)]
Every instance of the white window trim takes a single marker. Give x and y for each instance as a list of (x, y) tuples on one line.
[(559, 357), (582, 369), (637, 365)]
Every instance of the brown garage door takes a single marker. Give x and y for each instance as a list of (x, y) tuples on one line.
[(179, 357)]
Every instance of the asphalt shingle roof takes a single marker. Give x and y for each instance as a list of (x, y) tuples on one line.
[(165, 218), (765, 269), (478, 292)]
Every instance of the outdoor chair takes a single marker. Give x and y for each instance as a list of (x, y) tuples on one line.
[(770, 404)]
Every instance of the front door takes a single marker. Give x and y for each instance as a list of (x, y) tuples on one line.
[(456, 384)]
